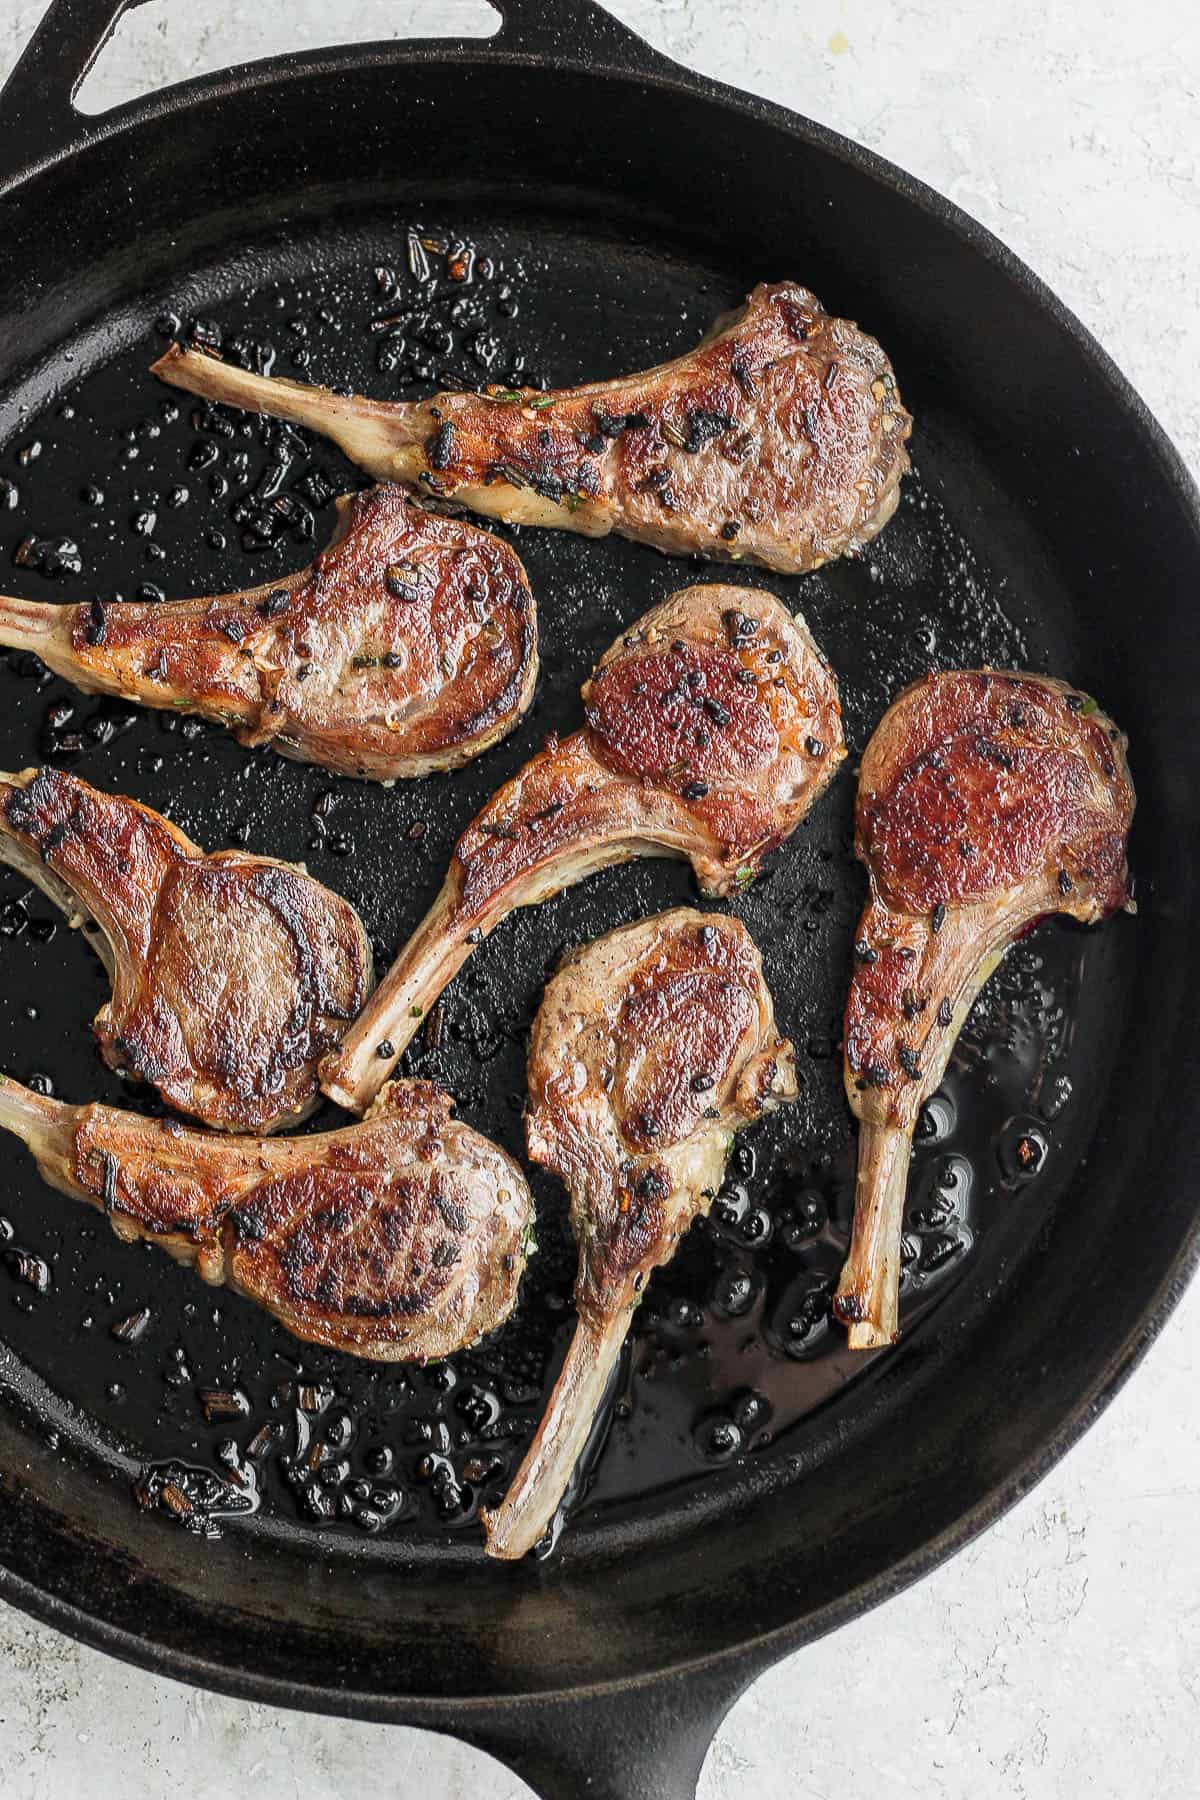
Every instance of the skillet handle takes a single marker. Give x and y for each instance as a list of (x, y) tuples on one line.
[(38, 119), (643, 1742), (576, 32)]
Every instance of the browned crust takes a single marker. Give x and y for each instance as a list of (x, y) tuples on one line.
[(986, 800), (232, 974), (711, 725), (780, 440), (400, 1238), (651, 1047), (409, 645)]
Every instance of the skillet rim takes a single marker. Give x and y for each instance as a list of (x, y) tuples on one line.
[(634, 61)]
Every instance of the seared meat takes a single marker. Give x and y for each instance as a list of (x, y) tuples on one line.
[(402, 1238), (712, 726), (409, 645), (780, 440), (231, 973), (986, 802), (652, 1046)]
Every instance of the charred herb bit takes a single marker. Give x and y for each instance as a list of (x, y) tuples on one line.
[(264, 1437), (23, 1266), (440, 448), (404, 581), (937, 917), (1075, 702), (695, 790), (814, 746), (991, 751), (701, 1084), (97, 625), (874, 1075), (611, 425), (385, 1048), (741, 373), (720, 715), (55, 838), (740, 628), (910, 1062), (796, 321), (703, 426), (130, 1329), (508, 472), (863, 953), (945, 1013), (547, 486), (1065, 884), (418, 262), (50, 556), (222, 1403), (500, 831), (830, 376), (729, 530), (111, 1171), (275, 603)]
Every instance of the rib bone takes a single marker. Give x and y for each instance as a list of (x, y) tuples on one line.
[(409, 645), (986, 802), (401, 1238), (779, 440), (651, 1047)]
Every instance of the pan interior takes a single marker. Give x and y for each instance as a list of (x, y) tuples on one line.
[(735, 1389), (148, 493)]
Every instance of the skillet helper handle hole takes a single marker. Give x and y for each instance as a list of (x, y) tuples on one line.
[(159, 43), (71, 71)]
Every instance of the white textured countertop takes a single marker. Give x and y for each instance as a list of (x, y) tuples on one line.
[(1058, 1657)]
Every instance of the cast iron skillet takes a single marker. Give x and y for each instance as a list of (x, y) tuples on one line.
[(624, 202)]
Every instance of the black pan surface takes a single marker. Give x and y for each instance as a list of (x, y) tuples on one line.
[(753, 1478)]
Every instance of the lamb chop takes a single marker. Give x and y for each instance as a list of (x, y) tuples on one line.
[(651, 1047), (986, 802), (401, 1238), (409, 645), (779, 440), (231, 973), (712, 726)]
